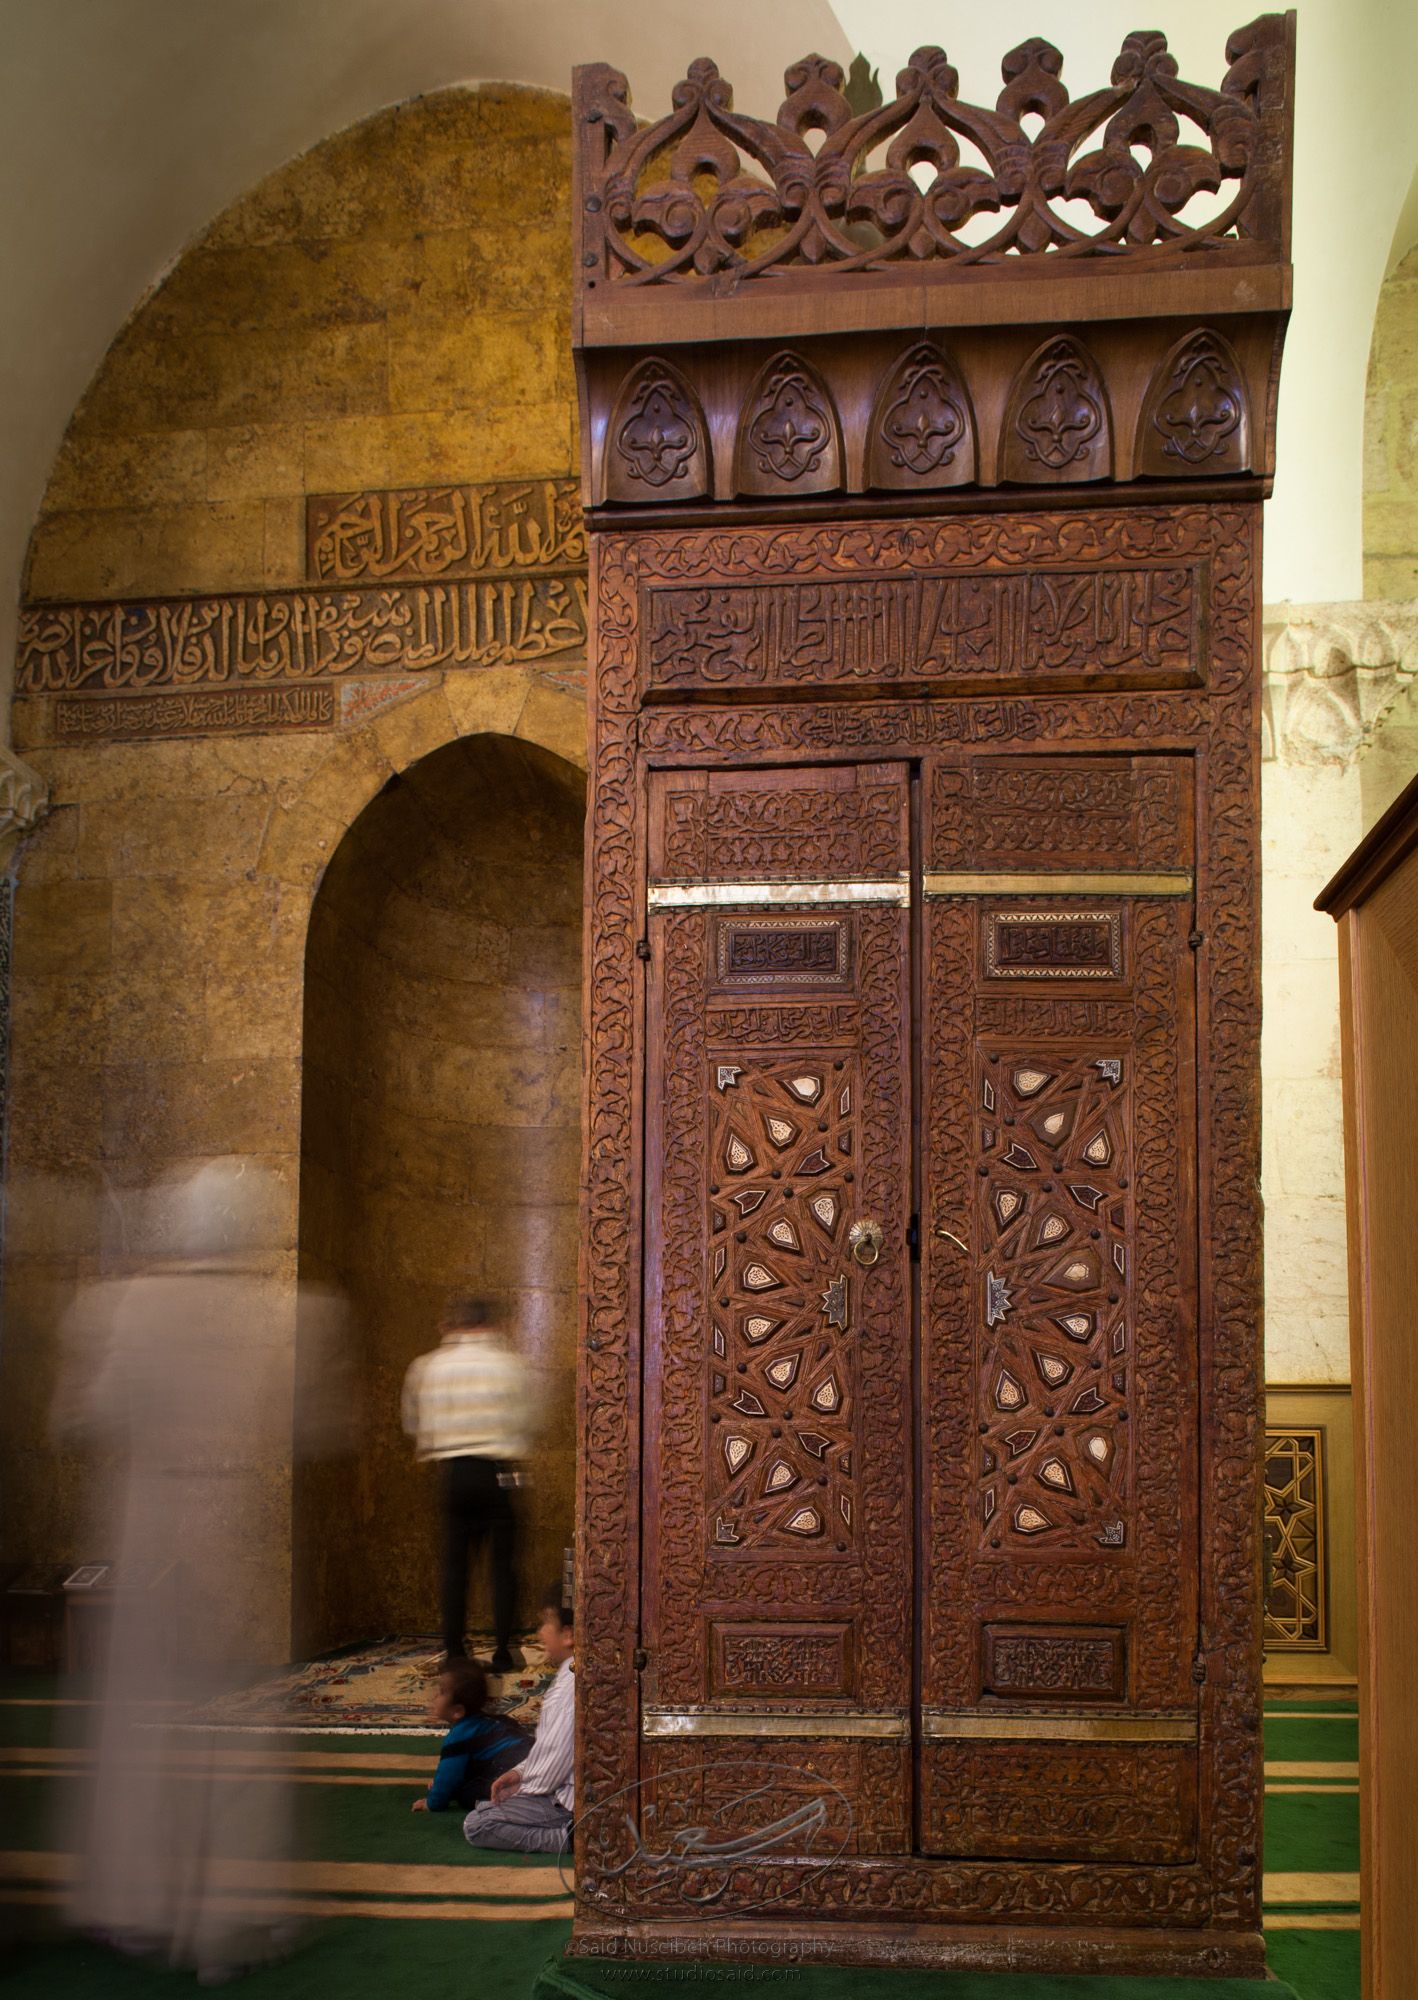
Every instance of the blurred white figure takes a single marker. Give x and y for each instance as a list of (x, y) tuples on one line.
[(185, 1373)]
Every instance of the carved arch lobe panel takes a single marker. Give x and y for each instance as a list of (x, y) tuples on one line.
[(1057, 426), (922, 427), (657, 445), (790, 436), (1196, 415)]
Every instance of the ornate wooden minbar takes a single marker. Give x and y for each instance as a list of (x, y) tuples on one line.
[(918, 1564)]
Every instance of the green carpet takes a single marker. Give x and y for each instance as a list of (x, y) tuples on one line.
[(398, 1904)]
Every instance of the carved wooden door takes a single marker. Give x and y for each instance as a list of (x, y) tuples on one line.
[(777, 1597), (1059, 1291)]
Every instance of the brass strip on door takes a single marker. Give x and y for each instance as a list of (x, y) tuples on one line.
[(1125, 882), (1060, 1728), (877, 1723), (894, 889)]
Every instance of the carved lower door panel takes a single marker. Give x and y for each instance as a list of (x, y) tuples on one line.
[(777, 1602), (1059, 1313)]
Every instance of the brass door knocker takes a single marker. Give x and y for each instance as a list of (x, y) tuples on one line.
[(864, 1240)]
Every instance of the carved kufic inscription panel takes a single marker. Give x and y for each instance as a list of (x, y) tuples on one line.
[(1096, 812), (736, 825), (759, 835), (1090, 1802), (783, 1147), (759, 1660), (1053, 944), (933, 628), (781, 951), (1075, 1663), (1054, 1354)]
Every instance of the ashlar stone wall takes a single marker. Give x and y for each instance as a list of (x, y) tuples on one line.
[(389, 312)]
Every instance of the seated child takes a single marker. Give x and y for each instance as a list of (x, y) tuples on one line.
[(479, 1746)]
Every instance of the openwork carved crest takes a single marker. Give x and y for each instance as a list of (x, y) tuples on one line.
[(1057, 426), (922, 433), (1195, 418), (790, 432), (658, 438), (1148, 163)]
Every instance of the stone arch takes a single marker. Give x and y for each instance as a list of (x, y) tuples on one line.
[(382, 324)]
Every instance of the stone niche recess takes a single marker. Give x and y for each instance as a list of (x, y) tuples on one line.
[(439, 1147)]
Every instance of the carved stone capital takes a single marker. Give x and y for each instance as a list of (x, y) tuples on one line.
[(24, 796), (1332, 674)]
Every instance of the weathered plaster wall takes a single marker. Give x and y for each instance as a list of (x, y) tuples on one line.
[(1391, 440), (1340, 742), (388, 310), (441, 1148)]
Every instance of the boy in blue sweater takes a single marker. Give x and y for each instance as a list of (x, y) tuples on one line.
[(478, 1747)]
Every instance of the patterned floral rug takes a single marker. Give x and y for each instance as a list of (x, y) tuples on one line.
[(385, 1686)]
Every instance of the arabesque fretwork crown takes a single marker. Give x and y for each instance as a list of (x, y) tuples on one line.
[(709, 193), (1142, 230)]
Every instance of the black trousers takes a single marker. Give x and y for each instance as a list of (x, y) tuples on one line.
[(476, 1510)]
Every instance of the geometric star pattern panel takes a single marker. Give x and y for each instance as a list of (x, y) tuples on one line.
[(1296, 1593), (782, 1151), (1053, 1344)]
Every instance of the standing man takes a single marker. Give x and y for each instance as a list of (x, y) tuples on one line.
[(465, 1405)]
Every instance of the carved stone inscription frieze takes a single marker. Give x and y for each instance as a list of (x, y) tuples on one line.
[(424, 533), (214, 712), (298, 635)]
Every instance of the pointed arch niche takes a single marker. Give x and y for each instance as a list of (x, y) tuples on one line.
[(439, 1149)]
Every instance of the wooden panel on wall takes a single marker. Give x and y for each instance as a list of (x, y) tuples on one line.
[(1311, 1631), (1374, 898)]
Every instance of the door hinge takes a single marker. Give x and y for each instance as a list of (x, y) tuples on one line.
[(640, 1659), (642, 948), (913, 1238), (1199, 1670)]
